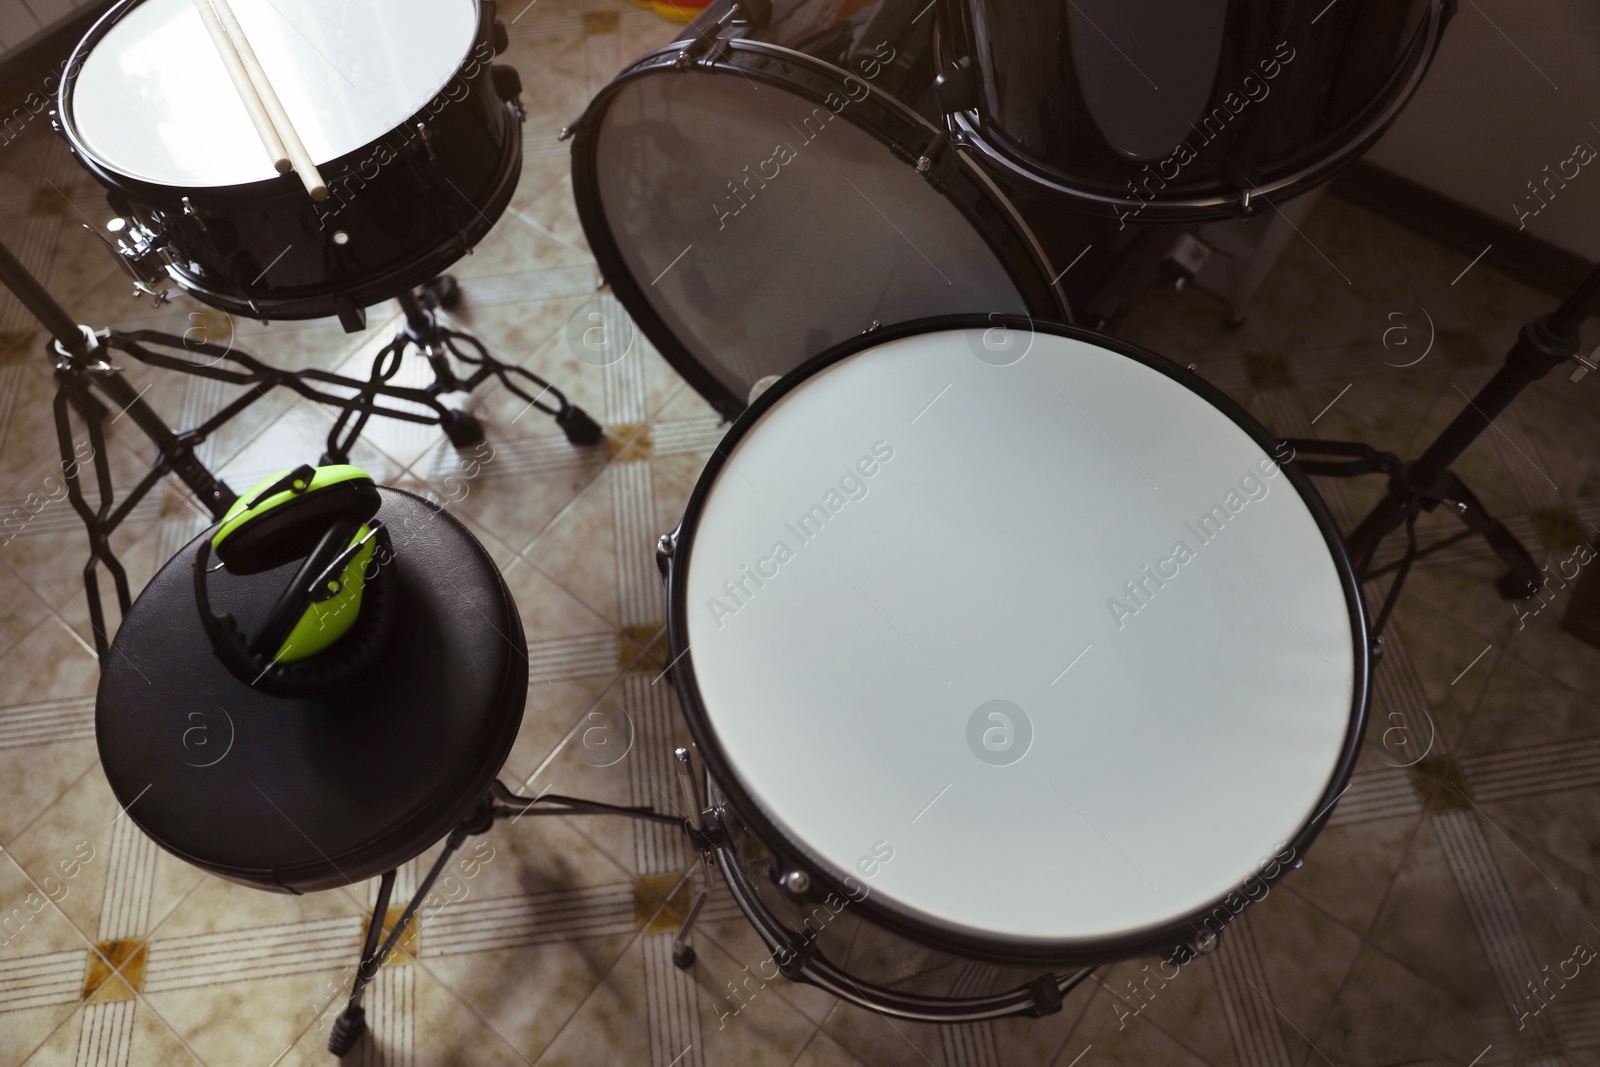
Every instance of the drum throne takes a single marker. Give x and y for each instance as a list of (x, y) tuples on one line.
[(346, 783)]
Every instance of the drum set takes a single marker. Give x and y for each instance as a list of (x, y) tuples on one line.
[(1008, 649)]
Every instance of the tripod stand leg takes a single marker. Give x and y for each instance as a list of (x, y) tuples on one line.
[(70, 390), (682, 950), (352, 1022), (1524, 578)]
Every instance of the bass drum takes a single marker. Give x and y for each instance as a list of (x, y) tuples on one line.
[(419, 145), (762, 189), (1149, 111)]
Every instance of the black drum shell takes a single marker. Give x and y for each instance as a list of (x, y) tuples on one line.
[(407, 207), (1350, 68)]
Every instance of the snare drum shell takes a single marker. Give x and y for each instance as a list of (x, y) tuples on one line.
[(762, 849), (399, 211)]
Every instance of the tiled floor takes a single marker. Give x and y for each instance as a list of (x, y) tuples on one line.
[(1436, 895)]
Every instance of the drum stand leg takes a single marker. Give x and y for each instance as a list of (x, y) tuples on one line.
[(1547, 341), (437, 344), (682, 951), (83, 367), (498, 803)]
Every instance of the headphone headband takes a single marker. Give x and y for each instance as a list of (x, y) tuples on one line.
[(323, 517)]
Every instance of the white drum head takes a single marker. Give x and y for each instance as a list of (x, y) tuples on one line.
[(915, 540), (153, 101)]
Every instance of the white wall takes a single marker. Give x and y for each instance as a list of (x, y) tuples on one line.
[(1485, 121)]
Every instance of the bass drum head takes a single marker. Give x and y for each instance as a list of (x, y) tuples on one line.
[(1038, 643), (1151, 112), (751, 218), (151, 99)]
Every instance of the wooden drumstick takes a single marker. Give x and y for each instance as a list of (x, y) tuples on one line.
[(246, 90), (303, 166)]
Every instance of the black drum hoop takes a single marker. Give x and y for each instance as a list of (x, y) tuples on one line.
[(1174, 935), (968, 188), (814, 968), (997, 150)]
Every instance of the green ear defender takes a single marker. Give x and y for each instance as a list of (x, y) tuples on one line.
[(322, 516)]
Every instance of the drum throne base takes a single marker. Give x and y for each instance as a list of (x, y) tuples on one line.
[(498, 803), (82, 359)]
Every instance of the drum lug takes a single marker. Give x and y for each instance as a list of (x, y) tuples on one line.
[(427, 141), (666, 545), (752, 13), (190, 212), (936, 161), (953, 87)]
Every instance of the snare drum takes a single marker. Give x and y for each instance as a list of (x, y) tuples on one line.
[(755, 193), (393, 99), (1009, 649)]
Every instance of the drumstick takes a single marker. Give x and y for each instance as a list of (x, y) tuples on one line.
[(241, 83), (298, 155)]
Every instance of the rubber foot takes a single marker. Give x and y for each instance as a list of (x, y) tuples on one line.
[(463, 429), (347, 1030), (579, 427), (444, 291), (683, 957)]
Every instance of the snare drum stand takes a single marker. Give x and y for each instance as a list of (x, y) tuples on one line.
[(81, 358), (1547, 341)]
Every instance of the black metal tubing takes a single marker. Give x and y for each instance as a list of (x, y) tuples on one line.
[(1545, 342), (892, 916), (40, 304)]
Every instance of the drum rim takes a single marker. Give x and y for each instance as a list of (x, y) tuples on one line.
[(721, 61), (914, 924), (996, 148), (110, 175)]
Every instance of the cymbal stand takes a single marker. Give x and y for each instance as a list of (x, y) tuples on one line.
[(1546, 341), (82, 361)]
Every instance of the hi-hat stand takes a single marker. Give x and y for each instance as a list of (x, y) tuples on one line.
[(82, 360), (1546, 342)]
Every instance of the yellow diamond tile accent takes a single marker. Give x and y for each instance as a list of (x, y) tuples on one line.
[(15, 341), (625, 447), (648, 894), (642, 649), (600, 22), (209, 325), (629, 442), (405, 951), (1439, 778), (115, 971)]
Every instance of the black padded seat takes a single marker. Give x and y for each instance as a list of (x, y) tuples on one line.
[(323, 791)]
